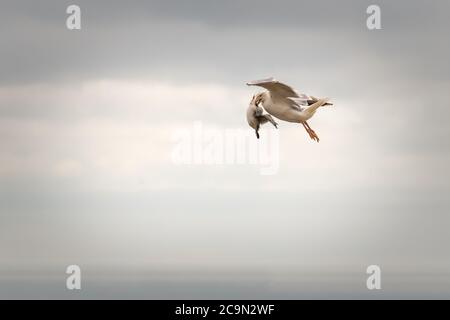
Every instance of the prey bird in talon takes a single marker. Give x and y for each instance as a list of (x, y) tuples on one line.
[(256, 116), (285, 103)]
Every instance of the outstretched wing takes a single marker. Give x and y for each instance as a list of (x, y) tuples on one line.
[(275, 87), (280, 90)]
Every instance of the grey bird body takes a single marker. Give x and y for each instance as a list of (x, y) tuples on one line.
[(285, 103)]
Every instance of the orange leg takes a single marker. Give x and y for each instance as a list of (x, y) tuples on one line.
[(311, 132)]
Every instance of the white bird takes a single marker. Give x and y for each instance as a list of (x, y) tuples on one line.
[(285, 103), (256, 116)]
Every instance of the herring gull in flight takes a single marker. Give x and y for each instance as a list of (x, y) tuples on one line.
[(285, 103)]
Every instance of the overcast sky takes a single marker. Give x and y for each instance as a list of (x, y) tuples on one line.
[(87, 119)]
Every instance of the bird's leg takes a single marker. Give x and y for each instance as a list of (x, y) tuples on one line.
[(307, 130), (310, 131)]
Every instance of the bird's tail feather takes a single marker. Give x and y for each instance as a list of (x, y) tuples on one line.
[(312, 108), (314, 99)]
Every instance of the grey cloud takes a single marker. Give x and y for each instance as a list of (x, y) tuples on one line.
[(141, 38)]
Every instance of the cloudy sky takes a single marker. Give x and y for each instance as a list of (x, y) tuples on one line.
[(87, 124)]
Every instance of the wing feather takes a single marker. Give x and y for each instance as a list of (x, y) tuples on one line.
[(276, 88)]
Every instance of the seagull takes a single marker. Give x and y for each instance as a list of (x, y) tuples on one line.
[(255, 116), (285, 103)]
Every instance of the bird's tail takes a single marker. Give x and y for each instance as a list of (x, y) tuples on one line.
[(314, 100), (309, 111)]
